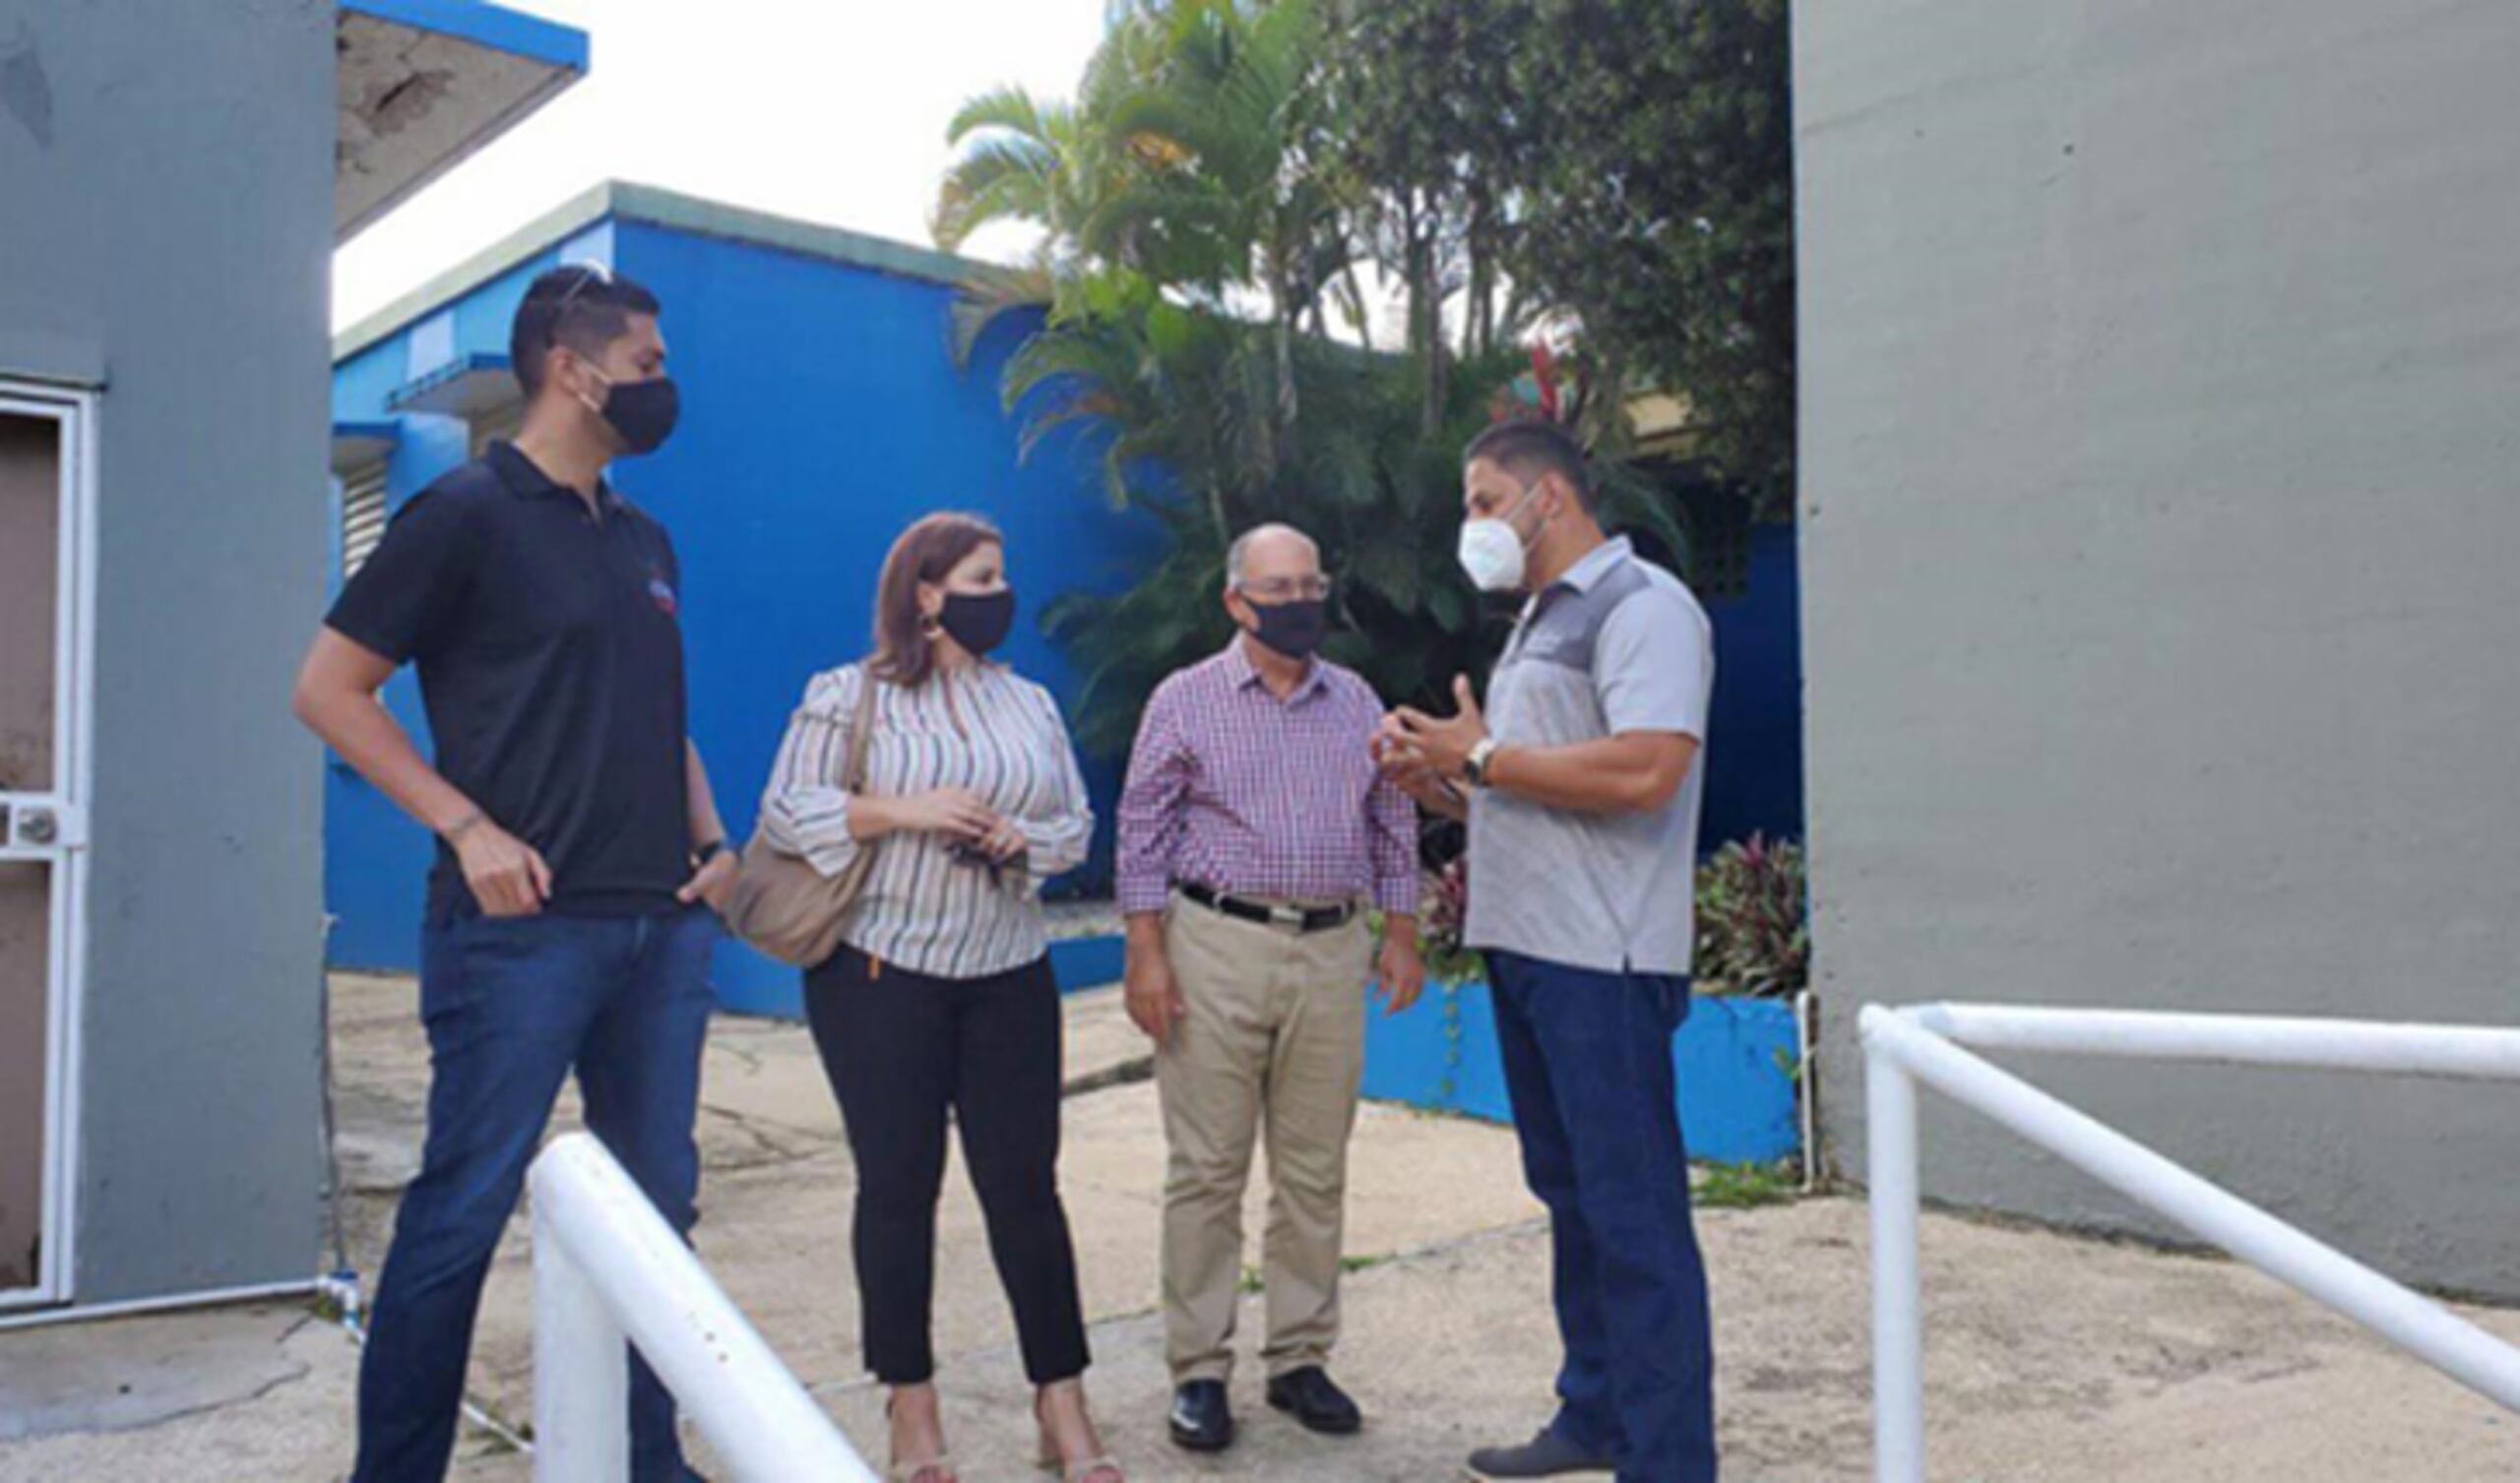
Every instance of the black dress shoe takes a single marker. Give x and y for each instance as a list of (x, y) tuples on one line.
[(1202, 1418), (1547, 1455), (1311, 1396)]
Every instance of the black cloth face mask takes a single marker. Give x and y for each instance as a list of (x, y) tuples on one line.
[(643, 412), (1294, 629), (978, 621)]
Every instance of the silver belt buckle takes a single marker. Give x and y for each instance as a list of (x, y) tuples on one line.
[(1289, 918)]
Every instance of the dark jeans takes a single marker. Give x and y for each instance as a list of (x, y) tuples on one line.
[(1588, 1066), (900, 1049), (511, 1005)]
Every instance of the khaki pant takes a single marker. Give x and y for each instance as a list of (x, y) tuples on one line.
[(1276, 1036)]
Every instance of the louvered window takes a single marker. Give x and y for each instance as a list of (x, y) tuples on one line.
[(363, 517)]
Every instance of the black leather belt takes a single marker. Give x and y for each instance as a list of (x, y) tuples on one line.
[(1302, 920)]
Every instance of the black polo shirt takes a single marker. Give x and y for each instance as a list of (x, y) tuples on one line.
[(550, 649)]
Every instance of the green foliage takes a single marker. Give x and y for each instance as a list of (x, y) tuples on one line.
[(1744, 1187), (1424, 90), (1130, 642), (1623, 164), (1753, 928), (1656, 172), (1753, 933), (1456, 1032), (1206, 202)]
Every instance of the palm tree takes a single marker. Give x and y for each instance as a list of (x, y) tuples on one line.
[(1195, 204), (1238, 105), (1195, 155)]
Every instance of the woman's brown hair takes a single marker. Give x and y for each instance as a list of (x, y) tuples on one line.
[(928, 551)]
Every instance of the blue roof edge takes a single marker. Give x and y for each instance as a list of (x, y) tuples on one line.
[(469, 363), (493, 26), (620, 200)]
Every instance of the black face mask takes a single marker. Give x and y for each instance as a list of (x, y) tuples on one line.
[(644, 412), (1294, 629), (978, 621)]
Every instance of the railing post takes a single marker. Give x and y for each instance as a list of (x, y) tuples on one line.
[(1898, 1325), (581, 1371), (619, 1276)]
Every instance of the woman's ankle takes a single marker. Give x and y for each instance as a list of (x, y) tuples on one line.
[(1060, 1407), (1070, 1391), (914, 1410)]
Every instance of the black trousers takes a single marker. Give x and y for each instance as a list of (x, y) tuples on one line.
[(901, 1049)]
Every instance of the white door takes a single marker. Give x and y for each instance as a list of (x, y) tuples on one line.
[(47, 507)]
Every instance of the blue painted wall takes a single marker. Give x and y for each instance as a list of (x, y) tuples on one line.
[(1754, 754), (822, 413), (1736, 1098)]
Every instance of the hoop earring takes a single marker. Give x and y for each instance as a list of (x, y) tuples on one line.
[(930, 625)]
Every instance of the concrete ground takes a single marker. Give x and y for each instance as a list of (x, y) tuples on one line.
[(2050, 1358)]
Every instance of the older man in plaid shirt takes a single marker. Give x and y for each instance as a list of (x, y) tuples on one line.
[(1255, 834)]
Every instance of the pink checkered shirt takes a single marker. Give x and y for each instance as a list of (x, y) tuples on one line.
[(1238, 791)]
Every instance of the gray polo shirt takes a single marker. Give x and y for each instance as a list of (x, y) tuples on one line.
[(1616, 645)]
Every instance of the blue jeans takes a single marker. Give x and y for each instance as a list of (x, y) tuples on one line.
[(1587, 1067), (511, 1006)]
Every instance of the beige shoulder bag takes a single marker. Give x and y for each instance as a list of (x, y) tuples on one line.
[(782, 904)]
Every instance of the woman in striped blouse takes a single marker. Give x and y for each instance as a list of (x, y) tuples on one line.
[(941, 995)]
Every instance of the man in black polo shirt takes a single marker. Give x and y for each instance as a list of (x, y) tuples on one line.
[(580, 852)]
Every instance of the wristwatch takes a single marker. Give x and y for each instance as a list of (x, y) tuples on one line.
[(709, 852), (1474, 767)]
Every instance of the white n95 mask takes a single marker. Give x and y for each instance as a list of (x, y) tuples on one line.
[(1493, 550), (1493, 554)]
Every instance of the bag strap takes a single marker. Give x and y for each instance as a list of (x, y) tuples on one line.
[(861, 734)]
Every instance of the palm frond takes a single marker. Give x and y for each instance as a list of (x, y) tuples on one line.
[(998, 179), (990, 295), (1009, 107)]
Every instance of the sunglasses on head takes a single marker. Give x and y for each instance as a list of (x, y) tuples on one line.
[(588, 272)]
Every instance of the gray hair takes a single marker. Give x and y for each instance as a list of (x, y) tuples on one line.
[(1237, 555)]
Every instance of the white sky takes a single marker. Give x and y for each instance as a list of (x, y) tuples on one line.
[(832, 110)]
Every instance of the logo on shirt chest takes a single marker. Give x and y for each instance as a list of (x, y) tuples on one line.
[(660, 593)]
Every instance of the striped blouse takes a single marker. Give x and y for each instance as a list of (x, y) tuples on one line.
[(983, 730)]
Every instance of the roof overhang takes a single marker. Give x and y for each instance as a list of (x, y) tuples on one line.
[(622, 201), (423, 83), (359, 445), (468, 386)]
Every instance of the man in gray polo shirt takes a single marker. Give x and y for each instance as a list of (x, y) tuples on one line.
[(1581, 786)]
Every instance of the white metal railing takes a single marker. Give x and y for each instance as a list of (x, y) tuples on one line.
[(1902, 1047), (607, 1268)]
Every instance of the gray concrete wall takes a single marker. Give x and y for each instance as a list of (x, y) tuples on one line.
[(2161, 376), (166, 226)]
